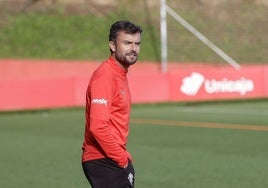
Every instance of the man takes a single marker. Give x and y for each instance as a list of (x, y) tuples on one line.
[(105, 159)]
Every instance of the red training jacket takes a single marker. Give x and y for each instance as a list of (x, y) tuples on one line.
[(107, 114)]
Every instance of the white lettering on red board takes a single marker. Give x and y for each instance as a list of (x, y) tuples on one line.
[(193, 83)]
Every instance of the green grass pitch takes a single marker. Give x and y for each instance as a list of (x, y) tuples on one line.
[(203, 145)]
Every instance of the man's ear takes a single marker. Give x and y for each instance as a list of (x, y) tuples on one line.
[(112, 46)]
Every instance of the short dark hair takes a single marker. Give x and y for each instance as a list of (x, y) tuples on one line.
[(125, 26)]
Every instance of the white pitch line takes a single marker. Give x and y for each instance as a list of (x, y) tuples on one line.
[(223, 111)]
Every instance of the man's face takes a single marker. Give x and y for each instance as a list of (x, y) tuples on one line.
[(126, 48)]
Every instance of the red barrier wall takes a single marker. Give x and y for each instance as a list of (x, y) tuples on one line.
[(219, 83), (35, 84)]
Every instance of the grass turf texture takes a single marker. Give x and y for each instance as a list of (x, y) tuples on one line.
[(238, 27), (42, 148)]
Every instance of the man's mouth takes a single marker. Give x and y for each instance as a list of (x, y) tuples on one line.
[(132, 54)]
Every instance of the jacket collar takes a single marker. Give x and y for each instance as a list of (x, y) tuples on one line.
[(116, 66)]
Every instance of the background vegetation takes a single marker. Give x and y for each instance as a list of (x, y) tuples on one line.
[(80, 31)]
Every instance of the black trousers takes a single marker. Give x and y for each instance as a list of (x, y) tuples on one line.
[(105, 173)]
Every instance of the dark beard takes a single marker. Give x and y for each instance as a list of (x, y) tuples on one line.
[(123, 60)]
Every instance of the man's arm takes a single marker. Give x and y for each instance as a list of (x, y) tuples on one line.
[(101, 92)]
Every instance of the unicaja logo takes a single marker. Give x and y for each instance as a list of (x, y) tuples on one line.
[(192, 84), (241, 86)]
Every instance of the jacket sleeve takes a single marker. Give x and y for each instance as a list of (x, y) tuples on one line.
[(102, 93)]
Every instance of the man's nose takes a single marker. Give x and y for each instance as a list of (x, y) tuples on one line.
[(134, 47)]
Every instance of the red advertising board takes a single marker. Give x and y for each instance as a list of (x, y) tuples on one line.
[(218, 83), (36, 94), (50, 84)]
